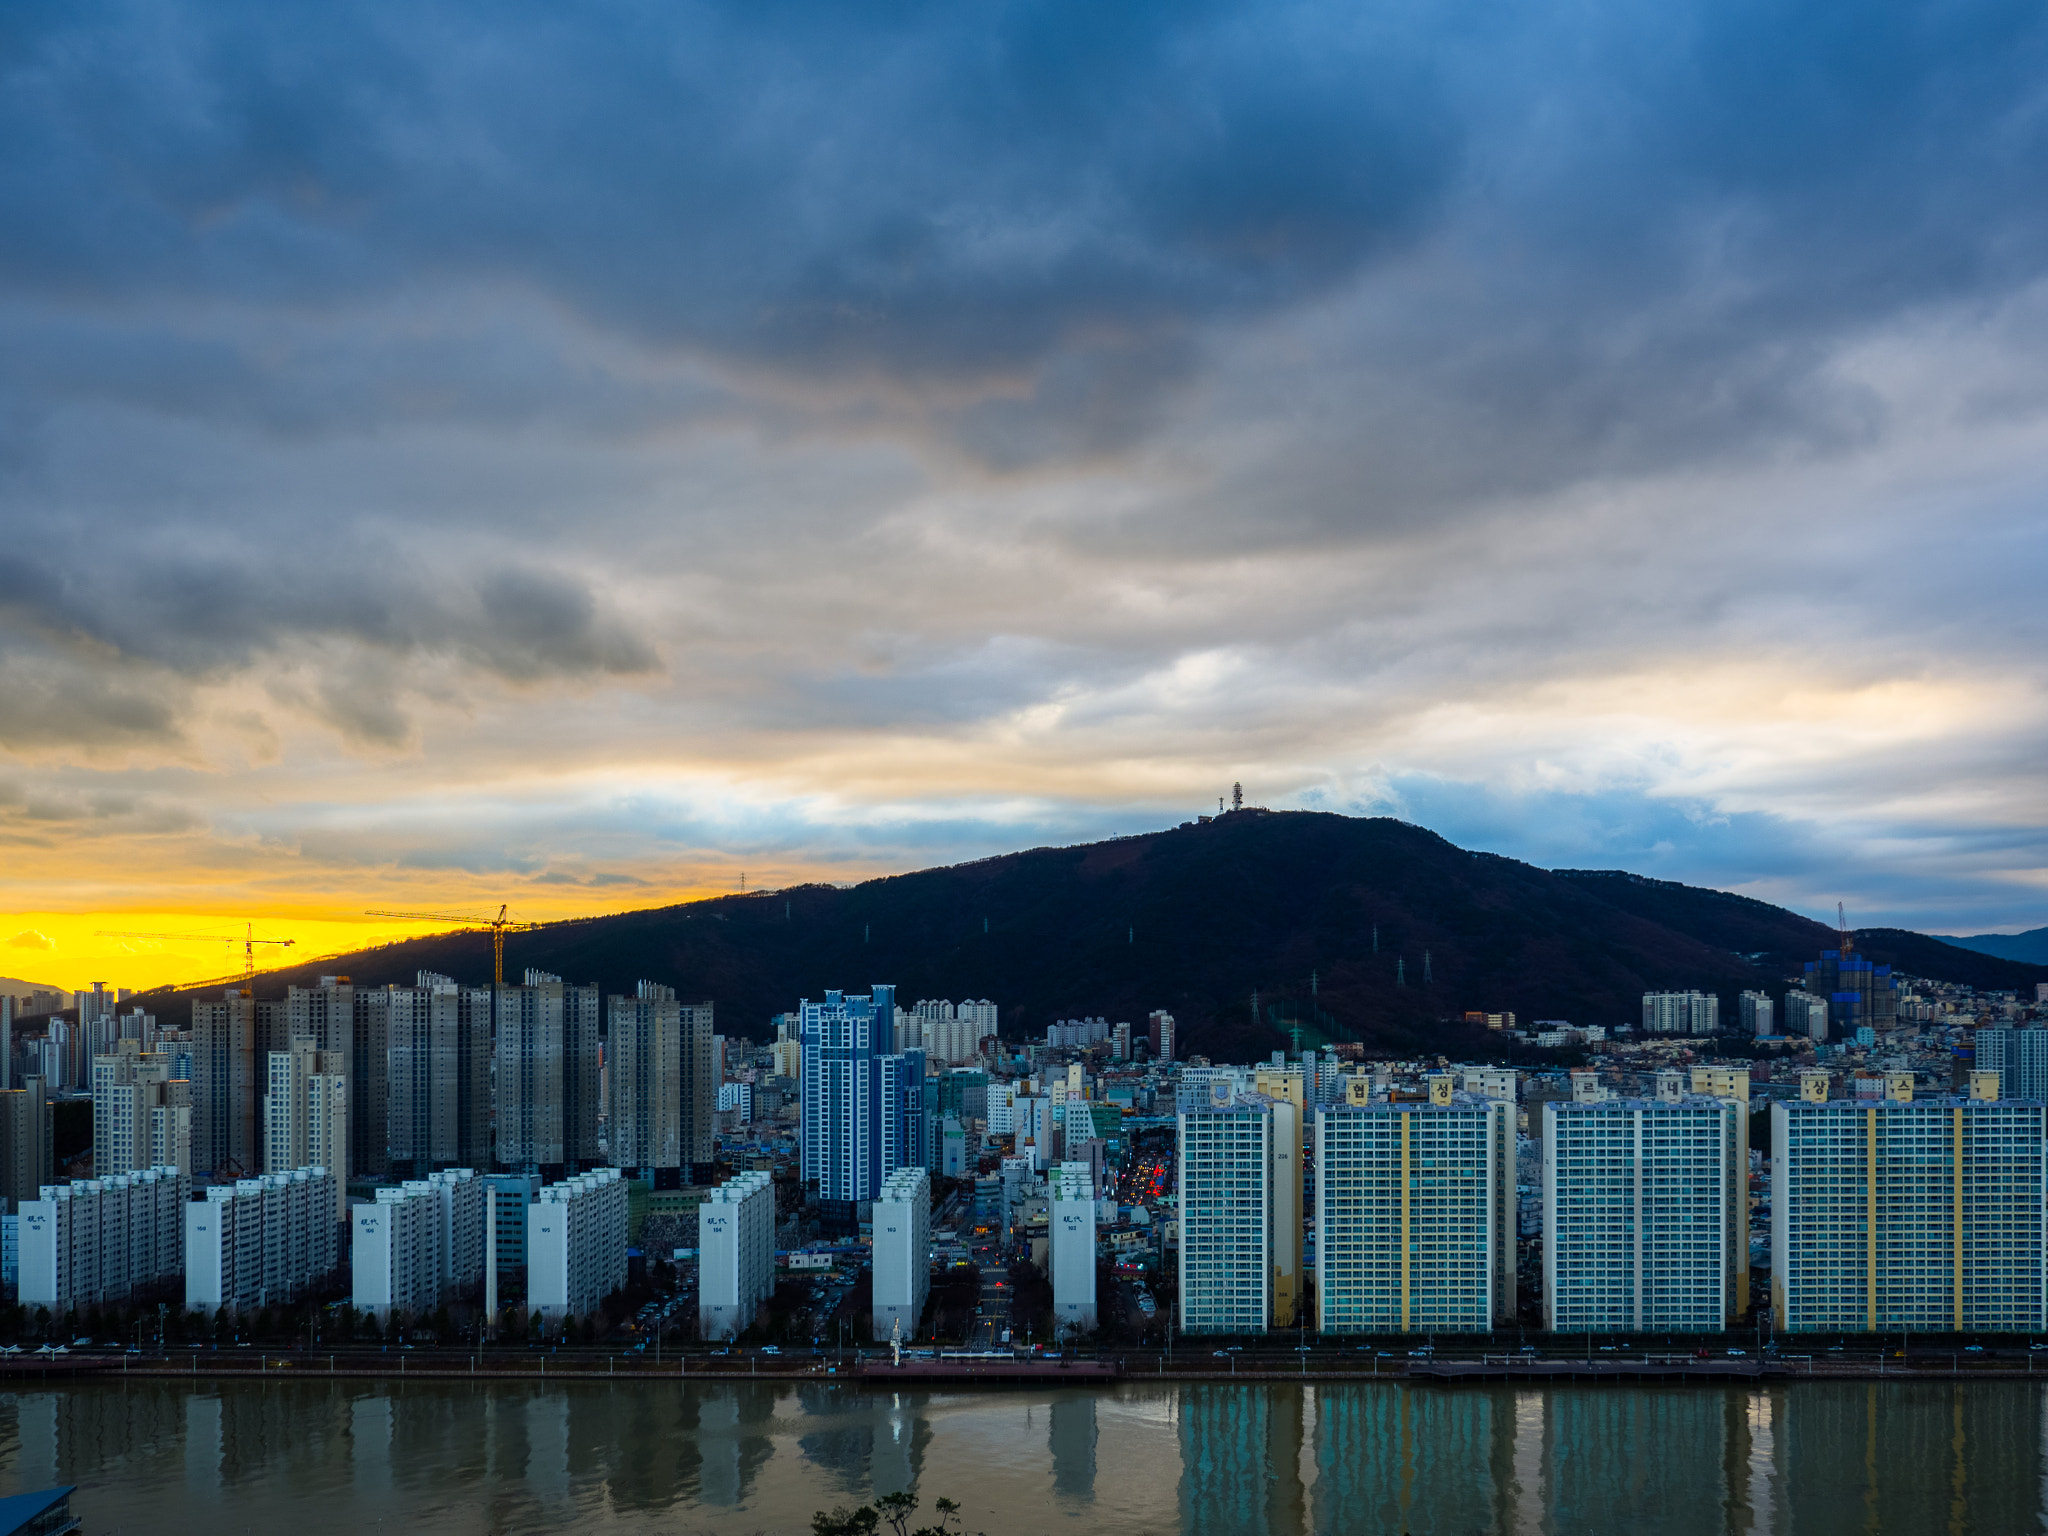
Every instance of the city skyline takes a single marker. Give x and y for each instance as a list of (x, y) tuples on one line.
[(654, 448)]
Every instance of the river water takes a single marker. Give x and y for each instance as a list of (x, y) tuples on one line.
[(301, 1458)]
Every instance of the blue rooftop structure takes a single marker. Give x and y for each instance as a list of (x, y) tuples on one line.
[(38, 1514)]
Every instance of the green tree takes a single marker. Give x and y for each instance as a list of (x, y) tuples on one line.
[(842, 1521), (897, 1508)]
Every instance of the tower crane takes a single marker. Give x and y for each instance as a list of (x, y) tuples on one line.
[(498, 925), (248, 941)]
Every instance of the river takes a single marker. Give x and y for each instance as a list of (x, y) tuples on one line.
[(303, 1458)]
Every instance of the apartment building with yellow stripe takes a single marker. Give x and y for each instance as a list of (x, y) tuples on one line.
[(1909, 1215), (1415, 1213)]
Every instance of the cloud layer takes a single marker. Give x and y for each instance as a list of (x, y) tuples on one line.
[(586, 454)]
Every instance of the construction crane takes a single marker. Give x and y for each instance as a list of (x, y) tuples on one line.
[(498, 926), (248, 941), (1848, 939)]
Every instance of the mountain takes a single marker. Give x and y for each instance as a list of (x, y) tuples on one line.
[(14, 986), (1367, 929), (2030, 947)]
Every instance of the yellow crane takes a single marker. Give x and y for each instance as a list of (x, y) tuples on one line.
[(247, 940), (498, 926)]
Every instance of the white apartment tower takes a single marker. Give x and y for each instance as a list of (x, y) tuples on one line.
[(664, 1094), (1230, 1143), (141, 1114), (260, 1242), (576, 1244), (736, 1254), (1645, 1208), (419, 1244), (1072, 1255), (1681, 1013), (100, 1240), (1415, 1214), (1806, 1013), (902, 1252), (305, 1114), (1908, 1215), (1759, 1014)]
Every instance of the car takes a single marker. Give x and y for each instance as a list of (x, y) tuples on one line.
[(1738, 1351), (1526, 1349), (1836, 1349), (1608, 1349), (1973, 1349), (770, 1349)]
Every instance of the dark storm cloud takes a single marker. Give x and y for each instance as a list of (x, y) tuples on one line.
[(932, 193), (1143, 382)]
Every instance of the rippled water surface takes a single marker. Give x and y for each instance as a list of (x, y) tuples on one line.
[(298, 1458)]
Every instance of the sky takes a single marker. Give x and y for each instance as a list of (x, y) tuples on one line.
[(581, 457)]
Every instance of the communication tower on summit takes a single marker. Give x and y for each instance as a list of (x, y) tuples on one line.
[(1237, 797)]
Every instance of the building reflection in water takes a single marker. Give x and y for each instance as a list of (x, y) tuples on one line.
[(1240, 1451), (1268, 1460), (1072, 1437)]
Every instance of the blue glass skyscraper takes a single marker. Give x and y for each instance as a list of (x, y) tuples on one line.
[(863, 1101)]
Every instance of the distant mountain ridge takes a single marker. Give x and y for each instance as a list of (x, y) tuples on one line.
[(1354, 928), (2030, 948)]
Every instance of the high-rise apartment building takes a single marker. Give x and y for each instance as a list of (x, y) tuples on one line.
[(369, 1099), (229, 1038), (1645, 1208), (547, 1075), (2019, 1057), (1758, 1015), (508, 1198), (1859, 994), (1681, 1013), (111, 1239), (339, 1021), (260, 1242), (736, 1254), (27, 1132), (1806, 1013), (1230, 1146), (664, 1096), (1415, 1214), (305, 1114), (1159, 1035), (1290, 1084), (1071, 1245), (1908, 1215), (863, 1101), (440, 1076), (420, 1244), (902, 1253), (576, 1244), (141, 1114)]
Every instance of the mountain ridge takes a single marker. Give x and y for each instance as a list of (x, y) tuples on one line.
[(1353, 928), (2029, 948)]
